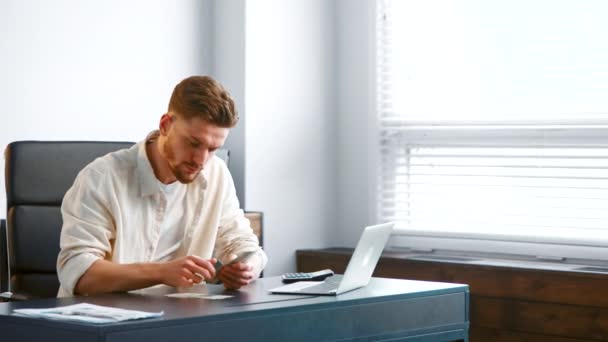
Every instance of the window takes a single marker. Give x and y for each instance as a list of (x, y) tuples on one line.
[(493, 125)]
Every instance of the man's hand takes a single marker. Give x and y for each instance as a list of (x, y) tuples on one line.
[(234, 276), (187, 271)]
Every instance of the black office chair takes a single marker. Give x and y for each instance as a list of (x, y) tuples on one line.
[(38, 173)]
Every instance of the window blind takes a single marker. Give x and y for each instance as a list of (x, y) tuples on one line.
[(493, 121)]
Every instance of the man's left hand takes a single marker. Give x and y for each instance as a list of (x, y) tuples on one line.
[(237, 275)]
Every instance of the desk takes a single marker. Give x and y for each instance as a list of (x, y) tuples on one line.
[(386, 309)]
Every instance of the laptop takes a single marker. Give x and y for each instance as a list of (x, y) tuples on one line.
[(358, 272)]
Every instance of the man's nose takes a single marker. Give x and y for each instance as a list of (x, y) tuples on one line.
[(200, 156)]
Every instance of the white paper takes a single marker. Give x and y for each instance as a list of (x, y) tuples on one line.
[(89, 313), (198, 295)]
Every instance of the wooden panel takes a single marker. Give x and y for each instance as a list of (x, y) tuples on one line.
[(507, 303), (312, 261), (489, 281), (525, 284), (544, 318), (255, 218), (495, 335)]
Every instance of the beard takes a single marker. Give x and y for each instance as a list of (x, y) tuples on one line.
[(179, 169), (182, 175)]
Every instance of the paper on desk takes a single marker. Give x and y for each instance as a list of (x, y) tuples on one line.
[(89, 313), (198, 295)]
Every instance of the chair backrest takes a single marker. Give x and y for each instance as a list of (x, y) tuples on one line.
[(37, 175)]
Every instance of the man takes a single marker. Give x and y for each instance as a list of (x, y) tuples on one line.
[(162, 211)]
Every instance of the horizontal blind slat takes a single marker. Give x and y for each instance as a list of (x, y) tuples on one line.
[(495, 175)]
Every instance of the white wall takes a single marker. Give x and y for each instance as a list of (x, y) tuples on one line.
[(355, 147), (94, 70), (103, 70), (227, 48), (290, 131)]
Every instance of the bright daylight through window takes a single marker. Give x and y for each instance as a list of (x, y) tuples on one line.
[(493, 125)]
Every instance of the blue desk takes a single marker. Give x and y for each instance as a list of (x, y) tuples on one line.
[(386, 309)]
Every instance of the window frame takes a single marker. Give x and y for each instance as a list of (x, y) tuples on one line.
[(561, 132)]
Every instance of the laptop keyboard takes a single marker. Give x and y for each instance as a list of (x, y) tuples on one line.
[(324, 287)]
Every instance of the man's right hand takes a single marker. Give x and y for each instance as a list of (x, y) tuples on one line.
[(187, 271), (106, 276)]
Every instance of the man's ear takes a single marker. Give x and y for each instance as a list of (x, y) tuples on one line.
[(165, 123)]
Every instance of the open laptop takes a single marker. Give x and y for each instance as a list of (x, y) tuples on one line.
[(358, 272)]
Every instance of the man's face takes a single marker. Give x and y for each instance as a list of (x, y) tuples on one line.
[(189, 145)]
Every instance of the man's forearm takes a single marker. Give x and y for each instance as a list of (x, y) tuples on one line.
[(105, 276)]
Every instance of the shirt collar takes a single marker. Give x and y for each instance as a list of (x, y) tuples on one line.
[(148, 183)]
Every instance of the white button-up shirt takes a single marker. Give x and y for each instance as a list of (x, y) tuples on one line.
[(115, 209)]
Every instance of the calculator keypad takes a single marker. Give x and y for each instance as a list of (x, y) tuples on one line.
[(297, 275)]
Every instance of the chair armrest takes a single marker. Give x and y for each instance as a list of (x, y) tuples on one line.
[(257, 220), (13, 297), (3, 257)]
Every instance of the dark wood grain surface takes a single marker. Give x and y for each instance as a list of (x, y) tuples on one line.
[(507, 303)]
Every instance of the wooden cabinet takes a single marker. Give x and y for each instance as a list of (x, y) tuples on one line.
[(507, 303)]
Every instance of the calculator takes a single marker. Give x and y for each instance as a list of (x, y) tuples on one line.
[(312, 276)]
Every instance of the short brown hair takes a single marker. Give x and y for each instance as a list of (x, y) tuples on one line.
[(205, 98)]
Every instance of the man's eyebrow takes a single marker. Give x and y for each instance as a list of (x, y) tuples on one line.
[(192, 138)]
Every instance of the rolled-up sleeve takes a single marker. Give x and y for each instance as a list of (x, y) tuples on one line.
[(235, 235), (87, 229)]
